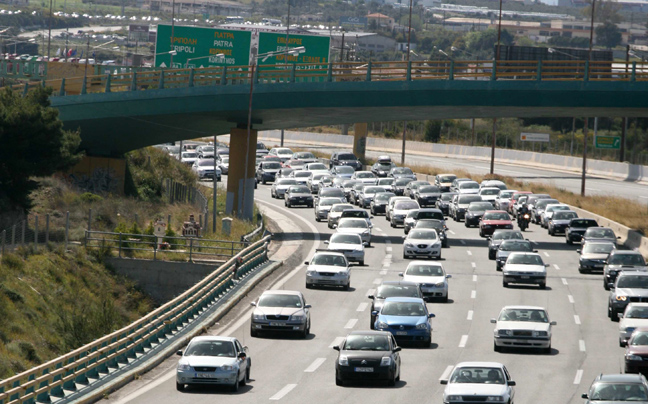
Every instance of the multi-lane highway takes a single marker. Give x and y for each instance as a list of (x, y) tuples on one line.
[(292, 370)]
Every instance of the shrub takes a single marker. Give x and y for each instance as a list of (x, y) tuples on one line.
[(89, 197)]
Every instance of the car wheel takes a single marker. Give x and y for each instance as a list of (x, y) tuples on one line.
[(254, 333), (235, 386), (398, 377), (605, 285), (346, 287), (569, 242), (309, 286), (372, 323), (180, 386), (580, 270), (505, 284), (306, 331), (466, 224), (445, 299), (439, 257), (310, 206), (622, 344), (338, 381), (369, 244), (263, 182), (405, 256), (317, 219), (481, 233), (245, 379), (361, 263), (615, 316), (289, 204), (392, 381), (543, 286), (496, 348), (247, 374), (391, 223)]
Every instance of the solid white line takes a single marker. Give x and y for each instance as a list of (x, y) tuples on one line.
[(473, 294), (371, 292), (571, 298), (579, 376), (545, 253), (556, 267), (351, 323), (474, 265), (644, 197), (464, 340), (362, 307), (469, 252), (470, 315), (337, 341), (446, 372), (581, 345), (388, 249), (474, 278), (564, 281), (577, 319), (594, 189), (281, 393), (463, 242), (377, 281), (313, 367)]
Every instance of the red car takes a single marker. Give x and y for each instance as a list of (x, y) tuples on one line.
[(636, 356), (493, 220), (273, 158), (514, 199)]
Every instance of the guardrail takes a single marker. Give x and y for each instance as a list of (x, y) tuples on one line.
[(92, 362), (543, 70)]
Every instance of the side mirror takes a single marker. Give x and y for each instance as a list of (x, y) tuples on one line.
[(584, 395), (443, 381), (308, 306), (620, 315), (253, 304), (337, 347), (179, 353), (579, 251), (404, 237), (448, 276), (535, 251), (400, 274), (493, 321), (371, 296), (553, 323), (618, 237), (511, 383), (335, 226), (397, 349), (374, 313), (611, 285), (431, 315), (326, 242), (489, 238), (306, 263)]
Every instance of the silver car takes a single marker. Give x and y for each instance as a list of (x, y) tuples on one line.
[(356, 226), (281, 310), (280, 186), (328, 268), (323, 207), (350, 245)]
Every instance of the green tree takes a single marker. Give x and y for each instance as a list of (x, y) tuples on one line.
[(483, 43), (606, 11), (608, 35), (433, 130), (32, 143)]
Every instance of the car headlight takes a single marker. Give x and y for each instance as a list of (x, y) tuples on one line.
[(505, 332), (385, 361), (381, 325), (622, 298), (297, 317), (310, 273), (343, 361), (422, 326), (256, 316), (341, 274), (540, 333), (454, 398), (495, 398), (184, 368), (631, 357), (227, 367), (439, 285), (409, 245)]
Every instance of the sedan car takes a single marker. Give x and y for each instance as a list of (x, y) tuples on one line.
[(407, 319), (342, 171), (323, 207), (350, 245), (412, 186), (355, 192), (400, 210), (510, 246), (367, 195), (444, 201), (524, 267), (421, 214), (498, 238), (390, 205), (266, 172), (427, 195), (422, 243), (468, 188), (444, 181), (391, 289), (600, 234), (283, 153), (559, 221), (593, 256), (399, 185), (634, 316), (303, 158), (298, 195), (402, 172), (475, 212), (368, 355), (204, 168), (522, 327), (622, 260), (301, 177), (382, 167), (629, 287), (315, 181), (222, 162), (366, 177), (379, 202), (328, 268), (330, 192), (480, 382), (550, 210), (489, 194), (438, 225), (345, 159), (335, 213), (280, 186), (281, 311), (432, 279), (503, 200), (460, 205), (213, 360), (355, 226), (636, 354), (493, 220), (576, 228), (617, 388)]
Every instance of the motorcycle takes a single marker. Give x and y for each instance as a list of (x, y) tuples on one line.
[(523, 221)]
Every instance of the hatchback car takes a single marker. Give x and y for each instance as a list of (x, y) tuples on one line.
[(522, 327), (629, 287), (345, 159), (402, 172), (622, 260), (444, 201), (400, 210), (356, 213), (421, 214), (379, 202), (422, 243), (593, 256), (475, 212), (330, 192), (526, 268), (503, 200), (576, 228), (366, 177), (367, 195), (368, 355), (432, 279), (281, 311), (301, 177), (480, 382), (559, 221), (412, 186), (438, 225), (386, 182), (342, 171), (399, 185), (357, 226), (444, 181), (391, 289), (382, 167), (634, 316), (407, 319), (468, 188), (460, 205), (280, 186), (213, 360), (351, 245), (266, 172), (489, 194), (617, 388), (427, 195), (303, 158), (283, 153), (315, 181), (390, 205), (328, 268), (636, 354), (550, 210), (600, 234), (298, 195)]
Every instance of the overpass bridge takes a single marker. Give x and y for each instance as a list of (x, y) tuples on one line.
[(122, 111)]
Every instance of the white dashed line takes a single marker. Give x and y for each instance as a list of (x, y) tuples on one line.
[(362, 307), (564, 281), (581, 345), (474, 278), (379, 229), (571, 298), (313, 367), (556, 267), (383, 272), (377, 281), (446, 372), (577, 319), (351, 323), (281, 393), (453, 233), (473, 294), (545, 253), (464, 340), (470, 315), (463, 242), (579, 376), (388, 249), (337, 341), (469, 252), (474, 265)]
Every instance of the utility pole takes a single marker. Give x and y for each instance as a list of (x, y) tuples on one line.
[(409, 42), (499, 32), (624, 124), (49, 30), (492, 163), (584, 158)]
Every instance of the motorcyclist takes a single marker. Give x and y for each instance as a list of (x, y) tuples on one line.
[(523, 211)]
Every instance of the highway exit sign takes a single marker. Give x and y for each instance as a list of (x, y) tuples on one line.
[(607, 142)]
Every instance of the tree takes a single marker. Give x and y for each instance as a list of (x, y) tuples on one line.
[(606, 11), (433, 130), (32, 143), (608, 35), (483, 43)]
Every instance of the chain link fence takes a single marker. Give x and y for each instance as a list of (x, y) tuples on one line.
[(34, 230)]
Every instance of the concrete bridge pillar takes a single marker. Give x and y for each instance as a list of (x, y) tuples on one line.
[(360, 141), (240, 186)]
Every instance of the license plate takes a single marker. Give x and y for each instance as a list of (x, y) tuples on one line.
[(204, 376), (276, 324), (525, 277), (364, 370), (401, 332), (301, 200), (422, 252), (428, 290)]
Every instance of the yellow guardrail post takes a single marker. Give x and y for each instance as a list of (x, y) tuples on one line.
[(191, 77), (329, 73), (408, 76), (134, 82), (368, 71)]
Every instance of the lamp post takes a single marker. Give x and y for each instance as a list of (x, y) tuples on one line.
[(499, 32)]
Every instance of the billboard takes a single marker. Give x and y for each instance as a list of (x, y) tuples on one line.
[(198, 47), (317, 48), (355, 22)]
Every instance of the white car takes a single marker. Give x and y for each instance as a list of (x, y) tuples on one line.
[(522, 327), (366, 177), (422, 243), (390, 205), (215, 361), (188, 157), (431, 277), (280, 186), (468, 188), (634, 316), (323, 206), (317, 168), (351, 245), (300, 176), (489, 194), (204, 168), (525, 267), (400, 210), (550, 210), (223, 163), (328, 269), (355, 226), (335, 213), (493, 183), (481, 381), (314, 181), (503, 200), (283, 153)]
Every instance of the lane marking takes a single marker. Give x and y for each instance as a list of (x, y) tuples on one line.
[(313, 367), (545, 253), (594, 189), (571, 298), (281, 393), (474, 265), (469, 252), (446, 372), (577, 319), (337, 341), (383, 272), (474, 278), (379, 229), (351, 323), (564, 281), (371, 292), (388, 249), (362, 307), (581, 345), (579, 376), (473, 294), (463, 242), (377, 281), (470, 315), (556, 267), (453, 233), (464, 340)]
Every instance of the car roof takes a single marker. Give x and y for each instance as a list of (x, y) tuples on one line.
[(619, 377), (405, 300), (329, 252), (437, 264), (632, 273), (485, 188), (401, 283), (429, 210), (282, 292), (637, 304), (523, 308), (524, 253), (479, 364), (370, 332), (624, 252), (212, 338), (496, 211)]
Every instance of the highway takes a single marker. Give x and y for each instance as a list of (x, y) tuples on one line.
[(290, 370)]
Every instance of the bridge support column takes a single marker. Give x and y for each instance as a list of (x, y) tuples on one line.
[(240, 186), (360, 141)]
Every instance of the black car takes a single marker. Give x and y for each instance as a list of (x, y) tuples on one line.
[(368, 355), (436, 224), (261, 150), (498, 237), (402, 172), (398, 187), (475, 212), (427, 195), (379, 203), (444, 201), (266, 172), (345, 159), (617, 388), (392, 289), (576, 229), (298, 195)]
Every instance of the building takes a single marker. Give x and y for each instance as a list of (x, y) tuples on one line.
[(380, 20), (201, 7)]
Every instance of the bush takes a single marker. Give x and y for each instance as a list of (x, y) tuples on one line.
[(89, 197)]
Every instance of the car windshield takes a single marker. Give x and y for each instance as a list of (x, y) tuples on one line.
[(626, 259), (564, 215), (385, 181), (302, 174), (429, 189), (516, 246), (408, 309), (479, 206), (525, 259), (466, 199), (636, 312), (350, 184), (286, 181), (384, 196), (469, 185), (370, 342), (271, 166), (329, 259), (583, 223), (318, 177), (422, 234), (402, 170), (328, 201), (530, 315), (430, 214), (386, 291), (424, 270), (206, 163), (406, 205), (489, 191), (304, 155), (260, 146), (508, 235), (365, 175), (284, 151), (496, 216), (373, 190), (207, 148), (189, 155), (412, 213), (344, 170), (447, 178), (557, 208), (383, 166), (353, 224), (359, 187), (477, 375), (447, 197), (223, 349), (340, 208), (600, 233), (225, 160), (332, 192), (430, 224), (346, 157), (541, 204), (598, 248), (357, 213), (640, 338), (342, 238), (317, 166), (618, 392), (506, 194), (401, 182), (279, 300), (299, 190), (632, 281)]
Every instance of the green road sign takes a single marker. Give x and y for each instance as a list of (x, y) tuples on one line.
[(317, 49), (607, 142), (198, 47)]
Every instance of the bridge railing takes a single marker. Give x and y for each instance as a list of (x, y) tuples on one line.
[(547, 70)]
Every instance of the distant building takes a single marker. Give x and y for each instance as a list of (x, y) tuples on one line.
[(381, 20), (210, 7)]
